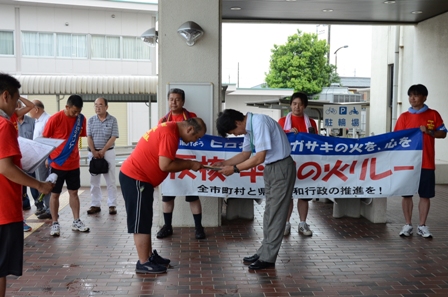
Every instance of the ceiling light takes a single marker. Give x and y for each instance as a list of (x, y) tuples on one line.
[(389, 2), (235, 8), (327, 10), (417, 12)]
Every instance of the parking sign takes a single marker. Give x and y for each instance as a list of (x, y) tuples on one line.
[(342, 116)]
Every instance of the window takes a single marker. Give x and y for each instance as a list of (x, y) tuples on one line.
[(71, 45), (6, 43), (38, 44), (105, 47), (135, 49), (41, 44)]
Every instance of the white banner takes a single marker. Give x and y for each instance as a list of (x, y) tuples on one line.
[(327, 167)]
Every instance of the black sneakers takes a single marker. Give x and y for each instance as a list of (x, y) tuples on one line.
[(149, 267), (199, 233), (155, 264), (156, 258), (165, 231), (168, 231)]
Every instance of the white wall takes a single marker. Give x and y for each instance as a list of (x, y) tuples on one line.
[(179, 63), (423, 60), (238, 102), (378, 90), (139, 120), (85, 21), (430, 67), (133, 118)]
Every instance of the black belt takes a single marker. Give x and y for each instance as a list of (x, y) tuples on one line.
[(111, 148), (278, 161)]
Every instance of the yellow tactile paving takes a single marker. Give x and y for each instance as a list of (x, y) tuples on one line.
[(63, 202)]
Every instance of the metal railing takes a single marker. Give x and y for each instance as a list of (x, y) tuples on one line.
[(121, 153)]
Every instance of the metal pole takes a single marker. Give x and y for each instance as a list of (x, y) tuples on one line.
[(336, 57), (329, 45), (336, 61)]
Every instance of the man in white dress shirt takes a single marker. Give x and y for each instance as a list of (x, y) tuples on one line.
[(263, 135), (38, 113)]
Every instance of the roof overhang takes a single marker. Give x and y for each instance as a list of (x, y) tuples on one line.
[(280, 93), (312, 104), (116, 88), (368, 12)]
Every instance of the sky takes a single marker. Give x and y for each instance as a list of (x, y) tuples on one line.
[(247, 48)]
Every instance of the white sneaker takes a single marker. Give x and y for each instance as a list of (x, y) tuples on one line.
[(407, 230), (423, 231), (78, 225), (55, 229), (304, 228), (287, 229)]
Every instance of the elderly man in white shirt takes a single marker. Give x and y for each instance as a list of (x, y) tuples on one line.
[(102, 131), (38, 113)]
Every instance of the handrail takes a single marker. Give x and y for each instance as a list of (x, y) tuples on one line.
[(84, 157)]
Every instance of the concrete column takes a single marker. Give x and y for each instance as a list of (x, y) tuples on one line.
[(200, 63)]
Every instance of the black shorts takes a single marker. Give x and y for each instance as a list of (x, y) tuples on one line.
[(71, 177), (138, 198), (187, 198), (11, 249), (427, 185)]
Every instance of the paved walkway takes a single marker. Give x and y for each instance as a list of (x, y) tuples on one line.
[(344, 257)]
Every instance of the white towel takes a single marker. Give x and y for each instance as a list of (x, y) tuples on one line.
[(288, 122)]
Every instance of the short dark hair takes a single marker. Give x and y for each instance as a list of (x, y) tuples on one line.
[(226, 121), (418, 90), (195, 124), (302, 96), (9, 83), (75, 100), (176, 91), (105, 100)]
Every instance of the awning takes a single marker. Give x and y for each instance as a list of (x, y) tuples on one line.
[(123, 86)]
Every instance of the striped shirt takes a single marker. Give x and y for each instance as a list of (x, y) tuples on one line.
[(102, 131)]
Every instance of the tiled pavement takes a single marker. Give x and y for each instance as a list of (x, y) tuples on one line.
[(344, 257)]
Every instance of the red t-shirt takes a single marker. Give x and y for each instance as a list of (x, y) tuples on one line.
[(179, 117), (432, 120), (60, 126), (14, 119), (143, 163), (11, 193), (297, 122)]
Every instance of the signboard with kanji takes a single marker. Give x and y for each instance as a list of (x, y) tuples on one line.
[(342, 116)]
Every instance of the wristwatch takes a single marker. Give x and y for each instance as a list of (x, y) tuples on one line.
[(431, 133), (235, 169)]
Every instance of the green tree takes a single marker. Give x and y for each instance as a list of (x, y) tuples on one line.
[(301, 64)]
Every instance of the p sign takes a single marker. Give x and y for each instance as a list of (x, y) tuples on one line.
[(342, 116), (342, 110)]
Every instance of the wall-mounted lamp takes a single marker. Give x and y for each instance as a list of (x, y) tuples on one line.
[(150, 37), (191, 32)]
